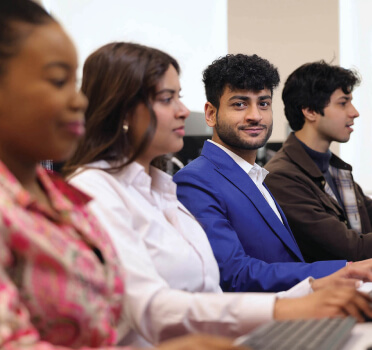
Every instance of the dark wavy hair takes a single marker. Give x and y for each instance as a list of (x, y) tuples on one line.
[(241, 72), (311, 86), (13, 13), (116, 79)]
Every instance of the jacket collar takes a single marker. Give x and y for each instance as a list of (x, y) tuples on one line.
[(228, 168), (294, 150)]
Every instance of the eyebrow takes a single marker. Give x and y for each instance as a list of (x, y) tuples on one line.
[(165, 90), (62, 65), (246, 98), (347, 98)]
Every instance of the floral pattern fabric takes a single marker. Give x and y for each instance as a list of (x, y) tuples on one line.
[(61, 285)]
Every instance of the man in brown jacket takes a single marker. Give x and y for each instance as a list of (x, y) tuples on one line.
[(326, 210)]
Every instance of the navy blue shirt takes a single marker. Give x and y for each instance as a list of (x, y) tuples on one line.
[(322, 161)]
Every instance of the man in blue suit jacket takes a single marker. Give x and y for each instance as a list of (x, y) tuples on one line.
[(224, 189)]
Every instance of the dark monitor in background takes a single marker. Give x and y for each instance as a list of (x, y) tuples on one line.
[(52, 166), (264, 154), (192, 146)]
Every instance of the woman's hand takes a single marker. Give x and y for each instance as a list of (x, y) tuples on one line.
[(327, 302)]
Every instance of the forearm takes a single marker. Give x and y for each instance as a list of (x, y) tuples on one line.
[(227, 314)]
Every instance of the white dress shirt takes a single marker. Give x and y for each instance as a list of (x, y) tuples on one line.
[(257, 175), (172, 278)]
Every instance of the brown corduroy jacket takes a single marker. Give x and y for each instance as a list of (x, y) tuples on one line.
[(318, 222)]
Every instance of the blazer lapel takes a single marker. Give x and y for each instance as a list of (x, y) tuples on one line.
[(228, 168), (285, 222)]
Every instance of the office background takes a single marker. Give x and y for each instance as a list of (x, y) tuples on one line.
[(287, 32)]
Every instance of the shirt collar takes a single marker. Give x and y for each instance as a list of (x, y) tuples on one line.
[(255, 172), (13, 188), (162, 181), (134, 174), (63, 197)]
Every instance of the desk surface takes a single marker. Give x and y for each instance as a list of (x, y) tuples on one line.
[(361, 337)]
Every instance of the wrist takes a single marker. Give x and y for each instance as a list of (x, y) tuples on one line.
[(283, 309), (316, 284)]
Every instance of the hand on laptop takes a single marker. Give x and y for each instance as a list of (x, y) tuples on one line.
[(349, 276), (327, 302)]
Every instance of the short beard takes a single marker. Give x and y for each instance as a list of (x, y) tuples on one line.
[(231, 138)]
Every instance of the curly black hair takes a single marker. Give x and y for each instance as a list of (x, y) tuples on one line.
[(311, 86), (241, 72)]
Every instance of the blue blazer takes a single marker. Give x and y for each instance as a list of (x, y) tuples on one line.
[(255, 251)]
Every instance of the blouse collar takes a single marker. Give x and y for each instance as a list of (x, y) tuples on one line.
[(134, 174), (63, 197)]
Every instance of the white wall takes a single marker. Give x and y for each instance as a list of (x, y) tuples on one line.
[(356, 52), (288, 33), (193, 31)]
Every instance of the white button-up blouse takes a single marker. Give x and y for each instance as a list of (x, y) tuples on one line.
[(172, 278)]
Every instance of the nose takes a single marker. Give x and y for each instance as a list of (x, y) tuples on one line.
[(183, 111), (79, 102), (353, 112), (253, 114)]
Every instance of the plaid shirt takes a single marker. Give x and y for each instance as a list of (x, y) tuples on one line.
[(60, 281), (345, 185)]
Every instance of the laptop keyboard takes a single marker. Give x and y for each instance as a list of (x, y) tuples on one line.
[(323, 334)]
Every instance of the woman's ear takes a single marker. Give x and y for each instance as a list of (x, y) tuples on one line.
[(210, 112)]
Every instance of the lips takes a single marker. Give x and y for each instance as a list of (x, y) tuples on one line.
[(253, 130), (76, 128), (180, 131), (253, 127)]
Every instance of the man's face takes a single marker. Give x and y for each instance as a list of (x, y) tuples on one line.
[(338, 118), (244, 119)]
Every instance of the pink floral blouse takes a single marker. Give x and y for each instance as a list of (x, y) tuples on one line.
[(60, 281)]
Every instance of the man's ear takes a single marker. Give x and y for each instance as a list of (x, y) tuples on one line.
[(309, 114), (210, 112)]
